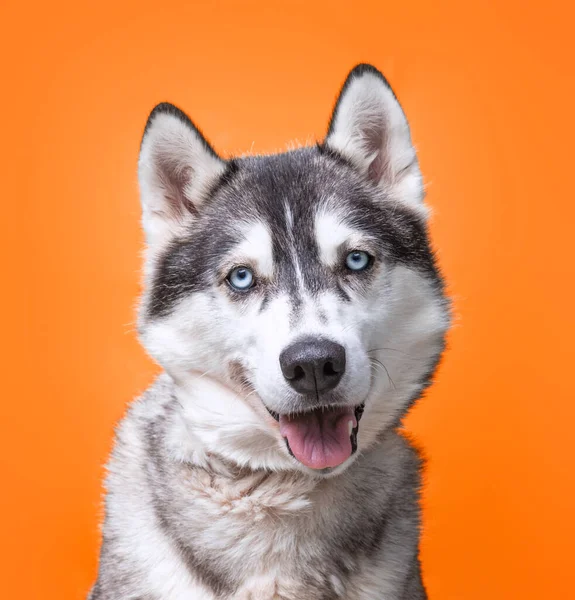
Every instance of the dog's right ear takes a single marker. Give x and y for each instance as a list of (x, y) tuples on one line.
[(176, 168)]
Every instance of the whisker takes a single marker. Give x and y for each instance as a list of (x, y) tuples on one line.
[(250, 394), (392, 349), (206, 373), (374, 360)]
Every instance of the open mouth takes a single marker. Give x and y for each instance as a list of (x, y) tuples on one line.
[(322, 438)]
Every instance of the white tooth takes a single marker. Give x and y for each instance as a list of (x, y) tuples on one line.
[(350, 425)]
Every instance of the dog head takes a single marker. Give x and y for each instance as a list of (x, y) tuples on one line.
[(292, 294)]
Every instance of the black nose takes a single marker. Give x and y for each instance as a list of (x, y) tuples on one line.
[(313, 365)]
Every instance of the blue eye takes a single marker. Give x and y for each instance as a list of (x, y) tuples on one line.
[(241, 279), (357, 260)]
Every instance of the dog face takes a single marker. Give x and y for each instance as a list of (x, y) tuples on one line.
[(292, 294)]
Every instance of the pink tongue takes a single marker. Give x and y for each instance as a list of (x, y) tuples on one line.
[(320, 439)]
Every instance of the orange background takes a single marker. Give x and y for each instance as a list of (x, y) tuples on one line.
[(489, 90)]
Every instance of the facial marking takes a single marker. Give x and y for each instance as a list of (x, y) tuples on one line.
[(292, 244), (289, 216), (256, 249), (331, 233)]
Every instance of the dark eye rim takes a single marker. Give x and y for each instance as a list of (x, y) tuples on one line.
[(236, 289), (370, 261)]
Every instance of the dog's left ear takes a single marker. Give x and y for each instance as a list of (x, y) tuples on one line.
[(369, 128)]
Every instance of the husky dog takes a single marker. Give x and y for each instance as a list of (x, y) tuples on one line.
[(296, 308)]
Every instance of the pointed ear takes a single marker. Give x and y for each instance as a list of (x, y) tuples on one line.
[(369, 128), (176, 168)]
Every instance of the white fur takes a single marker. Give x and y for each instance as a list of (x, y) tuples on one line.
[(331, 233)]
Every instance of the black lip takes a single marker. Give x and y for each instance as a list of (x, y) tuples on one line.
[(273, 414), (358, 414), (289, 449)]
